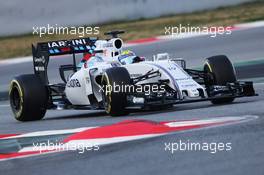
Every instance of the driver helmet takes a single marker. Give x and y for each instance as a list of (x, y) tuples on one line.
[(127, 57)]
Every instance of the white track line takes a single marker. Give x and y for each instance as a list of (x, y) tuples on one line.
[(210, 121), (71, 145), (50, 132)]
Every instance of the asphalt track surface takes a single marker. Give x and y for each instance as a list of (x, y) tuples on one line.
[(148, 156)]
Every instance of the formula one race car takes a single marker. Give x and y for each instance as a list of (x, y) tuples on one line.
[(106, 82)]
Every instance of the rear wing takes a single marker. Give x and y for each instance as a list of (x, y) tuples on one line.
[(42, 51)]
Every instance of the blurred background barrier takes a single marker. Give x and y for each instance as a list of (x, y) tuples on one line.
[(19, 16)]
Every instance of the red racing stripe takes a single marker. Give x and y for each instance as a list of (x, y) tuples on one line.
[(2, 136), (130, 128)]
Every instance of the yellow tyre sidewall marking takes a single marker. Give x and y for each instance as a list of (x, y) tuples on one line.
[(18, 113), (211, 70), (109, 93)]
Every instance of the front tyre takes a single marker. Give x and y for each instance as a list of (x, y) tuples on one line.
[(115, 102), (28, 97), (222, 72)]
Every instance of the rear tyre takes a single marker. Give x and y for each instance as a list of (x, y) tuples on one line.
[(222, 72), (115, 102), (28, 97)]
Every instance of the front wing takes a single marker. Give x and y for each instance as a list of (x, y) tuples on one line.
[(231, 90)]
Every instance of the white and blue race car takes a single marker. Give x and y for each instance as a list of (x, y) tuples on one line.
[(118, 81)]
